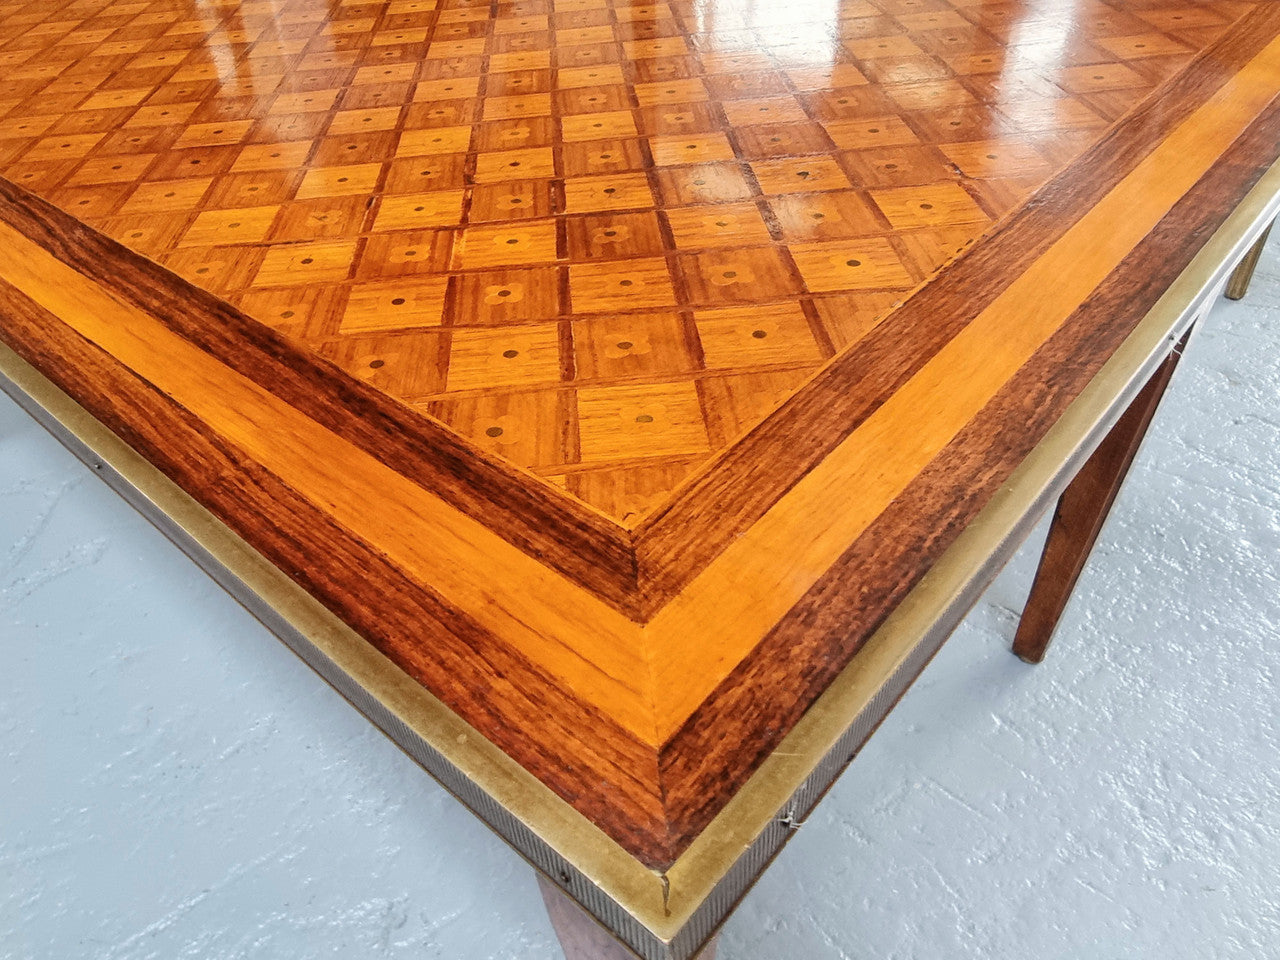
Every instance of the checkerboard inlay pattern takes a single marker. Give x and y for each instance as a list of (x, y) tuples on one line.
[(601, 239)]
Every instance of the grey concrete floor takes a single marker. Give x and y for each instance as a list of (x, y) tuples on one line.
[(175, 784)]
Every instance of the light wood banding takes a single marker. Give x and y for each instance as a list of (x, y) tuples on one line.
[(633, 364)]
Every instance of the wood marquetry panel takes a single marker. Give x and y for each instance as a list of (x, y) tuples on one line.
[(612, 368), (524, 214)]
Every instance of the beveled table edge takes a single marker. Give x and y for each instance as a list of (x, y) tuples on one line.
[(664, 916), (789, 783)]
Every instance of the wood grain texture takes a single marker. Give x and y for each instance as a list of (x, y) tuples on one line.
[(805, 650), (656, 260), (1081, 511), (1238, 285), (439, 198), (636, 572), (748, 478), (534, 519), (591, 761), (756, 580)]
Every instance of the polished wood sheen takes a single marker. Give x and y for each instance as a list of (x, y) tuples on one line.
[(614, 369), (541, 227), (1081, 512), (1238, 286)]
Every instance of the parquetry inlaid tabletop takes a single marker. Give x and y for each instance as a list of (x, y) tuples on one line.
[(613, 369), (599, 240)]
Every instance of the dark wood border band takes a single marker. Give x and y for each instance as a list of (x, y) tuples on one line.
[(663, 917), (585, 546), (738, 487), (637, 572), (715, 751), (651, 805), (591, 762)]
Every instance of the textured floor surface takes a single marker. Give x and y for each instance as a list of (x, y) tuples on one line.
[(174, 783)]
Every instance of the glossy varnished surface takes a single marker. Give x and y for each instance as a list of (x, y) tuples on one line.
[(599, 240), (641, 664)]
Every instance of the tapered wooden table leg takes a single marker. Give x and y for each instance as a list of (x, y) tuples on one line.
[(1238, 285), (581, 937), (1081, 512)]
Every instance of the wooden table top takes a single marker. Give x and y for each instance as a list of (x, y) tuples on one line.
[(557, 229), (613, 368)]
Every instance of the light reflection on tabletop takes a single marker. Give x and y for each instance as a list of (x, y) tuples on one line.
[(600, 240)]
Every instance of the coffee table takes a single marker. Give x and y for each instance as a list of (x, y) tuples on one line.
[(618, 405)]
